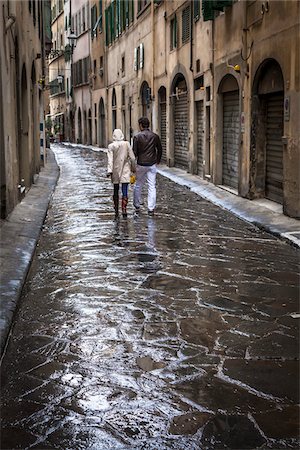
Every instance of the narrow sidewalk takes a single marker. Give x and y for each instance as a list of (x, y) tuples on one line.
[(19, 235)]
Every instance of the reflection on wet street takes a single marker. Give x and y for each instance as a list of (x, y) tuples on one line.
[(169, 332)]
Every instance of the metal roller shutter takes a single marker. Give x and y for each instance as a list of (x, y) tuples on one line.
[(181, 131), (231, 132), (200, 137), (163, 129), (274, 148)]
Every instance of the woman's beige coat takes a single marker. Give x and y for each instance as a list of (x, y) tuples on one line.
[(120, 159)]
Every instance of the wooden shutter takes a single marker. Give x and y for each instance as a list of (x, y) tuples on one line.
[(186, 24)]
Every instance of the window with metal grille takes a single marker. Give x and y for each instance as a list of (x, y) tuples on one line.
[(186, 24), (173, 33)]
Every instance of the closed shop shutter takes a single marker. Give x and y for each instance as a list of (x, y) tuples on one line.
[(231, 132), (200, 137), (274, 148), (163, 129), (181, 131)]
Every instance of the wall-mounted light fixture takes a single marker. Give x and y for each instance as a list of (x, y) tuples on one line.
[(10, 21)]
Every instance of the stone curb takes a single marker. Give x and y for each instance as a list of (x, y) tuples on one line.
[(19, 235)]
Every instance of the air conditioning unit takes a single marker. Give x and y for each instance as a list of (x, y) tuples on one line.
[(101, 71)]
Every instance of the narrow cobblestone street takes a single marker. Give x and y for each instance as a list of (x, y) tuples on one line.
[(167, 332)]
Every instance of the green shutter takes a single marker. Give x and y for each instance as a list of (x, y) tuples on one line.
[(207, 10), (131, 11), (112, 21), (106, 27), (100, 15), (221, 4), (127, 13)]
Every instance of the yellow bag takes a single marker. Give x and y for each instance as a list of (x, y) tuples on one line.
[(132, 179)]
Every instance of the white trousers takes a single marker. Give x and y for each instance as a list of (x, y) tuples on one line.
[(143, 173)]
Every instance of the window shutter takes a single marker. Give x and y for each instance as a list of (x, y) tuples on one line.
[(196, 10), (186, 24), (141, 56), (112, 21), (106, 27), (131, 11), (135, 59), (100, 15), (207, 10), (175, 31)]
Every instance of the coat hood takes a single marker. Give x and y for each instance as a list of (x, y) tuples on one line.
[(118, 135)]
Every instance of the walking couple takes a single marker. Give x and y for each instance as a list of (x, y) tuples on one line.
[(142, 161)]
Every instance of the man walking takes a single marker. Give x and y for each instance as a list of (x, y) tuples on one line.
[(148, 150)]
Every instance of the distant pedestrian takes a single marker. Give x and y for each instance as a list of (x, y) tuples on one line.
[(148, 150), (120, 165)]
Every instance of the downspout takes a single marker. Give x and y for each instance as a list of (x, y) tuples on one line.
[(153, 63), (192, 105), (213, 112), (191, 40)]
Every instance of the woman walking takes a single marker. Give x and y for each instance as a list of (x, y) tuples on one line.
[(120, 165)]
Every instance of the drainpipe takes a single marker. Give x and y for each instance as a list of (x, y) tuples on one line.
[(191, 40), (153, 62), (213, 112)]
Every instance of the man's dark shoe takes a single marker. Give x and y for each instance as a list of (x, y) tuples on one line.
[(150, 212)]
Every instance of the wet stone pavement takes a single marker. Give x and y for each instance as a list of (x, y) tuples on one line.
[(171, 332)]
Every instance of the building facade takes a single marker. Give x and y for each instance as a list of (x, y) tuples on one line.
[(24, 40), (218, 80)]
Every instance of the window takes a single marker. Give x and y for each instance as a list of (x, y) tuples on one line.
[(79, 23), (100, 15), (101, 71), (123, 65), (139, 57), (196, 10), (123, 96), (83, 19), (173, 31), (141, 5), (95, 67), (186, 24), (93, 21)]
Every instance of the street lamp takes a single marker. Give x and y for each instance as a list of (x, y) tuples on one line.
[(72, 40)]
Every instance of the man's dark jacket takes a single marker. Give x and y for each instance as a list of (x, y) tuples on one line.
[(147, 148)]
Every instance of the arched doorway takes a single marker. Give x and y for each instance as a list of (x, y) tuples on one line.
[(229, 91), (96, 130), (267, 131), (89, 137), (114, 110), (162, 114), (145, 96), (24, 122), (101, 123), (79, 124), (84, 127), (181, 122), (72, 131)]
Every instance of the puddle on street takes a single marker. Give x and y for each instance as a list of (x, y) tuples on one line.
[(177, 331)]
